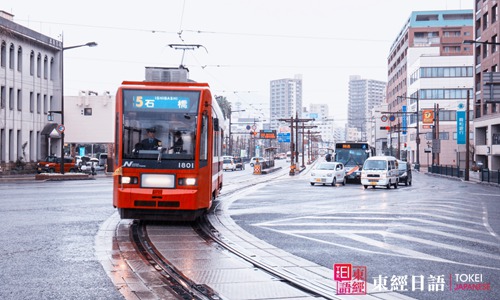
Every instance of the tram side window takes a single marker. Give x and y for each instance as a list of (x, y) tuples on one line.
[(204, 138)]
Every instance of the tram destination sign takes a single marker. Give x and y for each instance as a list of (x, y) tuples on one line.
[(268, 134)]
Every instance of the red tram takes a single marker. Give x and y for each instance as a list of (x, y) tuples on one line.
[(168, 150)]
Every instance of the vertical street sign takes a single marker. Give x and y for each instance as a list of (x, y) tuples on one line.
[(461, 130), (404, 119)]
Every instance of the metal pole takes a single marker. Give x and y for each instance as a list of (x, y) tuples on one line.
[(467, 154), (230, 138), (62, 106), (89, 44), (303, 146), (292, 148), (297, 138), (417, 140)]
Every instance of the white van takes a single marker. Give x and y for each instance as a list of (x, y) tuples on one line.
[(380, 171)]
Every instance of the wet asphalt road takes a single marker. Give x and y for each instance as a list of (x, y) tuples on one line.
[(47, 240), (437, 228)]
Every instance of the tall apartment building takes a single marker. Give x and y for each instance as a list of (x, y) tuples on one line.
[(324, 124), (30, 87), (364, 95), (286, 99), (430, 67), (486, 100)]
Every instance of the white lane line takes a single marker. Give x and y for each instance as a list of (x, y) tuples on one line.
[(395, 254)]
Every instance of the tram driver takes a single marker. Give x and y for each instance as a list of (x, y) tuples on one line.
[(151, 142)]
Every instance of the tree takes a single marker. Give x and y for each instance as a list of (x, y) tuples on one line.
[(224, 105)]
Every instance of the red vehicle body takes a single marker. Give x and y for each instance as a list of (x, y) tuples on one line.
[(169, 182), (52, 164)]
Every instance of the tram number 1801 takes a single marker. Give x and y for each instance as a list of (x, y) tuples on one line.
[(186, 165)]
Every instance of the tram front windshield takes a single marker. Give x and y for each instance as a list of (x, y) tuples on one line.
[(159, 124)]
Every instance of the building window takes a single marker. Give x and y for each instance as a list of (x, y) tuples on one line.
[(494, 40), (45, 67), (485, 21), (32, 102), (45, 104), (19, 59), (3, 55), (32, 63), (494, 13), (2, 97), (485, 50), (11, 57), (38, 103), (19, 100), (52, 68), (11, 98), (39, 65)]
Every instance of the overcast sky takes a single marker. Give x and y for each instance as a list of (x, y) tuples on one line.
[(246, 43)]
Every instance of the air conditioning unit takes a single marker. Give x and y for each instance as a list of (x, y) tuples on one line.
[(166, 74)]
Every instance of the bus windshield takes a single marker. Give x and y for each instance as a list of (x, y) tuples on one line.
[(351, 157), (159, 124)]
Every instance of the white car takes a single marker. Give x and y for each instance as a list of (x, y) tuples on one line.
[(228, 164), (254, 159), (328, 173)]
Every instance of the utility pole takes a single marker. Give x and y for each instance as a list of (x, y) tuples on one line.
[(293, 149)]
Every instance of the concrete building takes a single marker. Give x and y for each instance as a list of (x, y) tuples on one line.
[(377, 134), (30, 87), (364, 95), (428, 65), (486, 98), (286, 99), (324, 124)]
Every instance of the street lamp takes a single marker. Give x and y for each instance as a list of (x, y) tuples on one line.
[(61, 126)]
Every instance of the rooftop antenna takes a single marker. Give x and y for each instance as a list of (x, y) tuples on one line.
[(185, 47)]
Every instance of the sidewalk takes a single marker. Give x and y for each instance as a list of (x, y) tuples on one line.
[(474, 177)]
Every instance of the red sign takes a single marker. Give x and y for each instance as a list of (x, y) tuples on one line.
[(427, 116), (351, 280)]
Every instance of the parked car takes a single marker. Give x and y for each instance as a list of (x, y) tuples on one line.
[(240, 165), (228, 163), (81, 160), (328, 173), (52, 164), (404, 169), (254, 160), (90, 166), (103, 159)]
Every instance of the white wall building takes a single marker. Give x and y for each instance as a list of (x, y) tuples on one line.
[(89, 118), (30, 87), (429, 74)]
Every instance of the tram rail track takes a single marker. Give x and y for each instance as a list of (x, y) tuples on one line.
[(187, 288), (164, 249)]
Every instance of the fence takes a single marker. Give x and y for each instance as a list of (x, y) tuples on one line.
[(484, 175)]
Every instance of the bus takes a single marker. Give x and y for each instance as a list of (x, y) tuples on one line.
[(168, 150), (353, 156)]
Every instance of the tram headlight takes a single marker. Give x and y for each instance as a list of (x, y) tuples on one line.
[(129, 180), (187, 181)]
